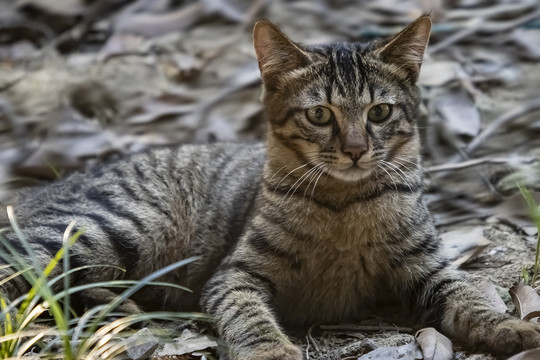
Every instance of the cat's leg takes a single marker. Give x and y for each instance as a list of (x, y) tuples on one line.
[(93, 297), (239, 299), (463, 313)]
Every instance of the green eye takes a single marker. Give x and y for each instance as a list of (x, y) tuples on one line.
[(379, 113), (319, 115)]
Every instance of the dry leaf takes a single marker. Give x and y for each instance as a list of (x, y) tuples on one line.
[(533, 354), (526, 300), (61, 7), (513, 210), (458, 109), (231, 10), (438, 73), (488, 289), (187, 342), (435, 345), (141, 345), (529, 40), (464, 244), (408, 351), (151, 25)]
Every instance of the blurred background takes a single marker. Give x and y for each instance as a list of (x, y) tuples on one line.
[(86, 80), (89, 80)]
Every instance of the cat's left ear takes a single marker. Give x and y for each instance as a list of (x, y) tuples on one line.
[(406, 49), (276, 53)]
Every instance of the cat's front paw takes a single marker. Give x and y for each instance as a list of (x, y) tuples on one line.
[(512, 336), (272, 352)]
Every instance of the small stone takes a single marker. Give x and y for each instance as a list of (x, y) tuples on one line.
[(141, 345)]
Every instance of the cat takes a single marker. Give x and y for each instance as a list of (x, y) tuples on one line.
[(324, 222)]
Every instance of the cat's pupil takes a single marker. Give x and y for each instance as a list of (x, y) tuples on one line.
[(378, 111), (319, 113)]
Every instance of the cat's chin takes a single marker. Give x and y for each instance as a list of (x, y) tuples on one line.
[(353, 174)]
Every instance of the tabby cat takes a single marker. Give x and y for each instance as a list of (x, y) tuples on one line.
[(323, 223)]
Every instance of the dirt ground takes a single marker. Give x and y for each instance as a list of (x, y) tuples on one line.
[(83, 81)]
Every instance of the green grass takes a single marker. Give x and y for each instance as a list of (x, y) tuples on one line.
[(64, 334), (534, 211)]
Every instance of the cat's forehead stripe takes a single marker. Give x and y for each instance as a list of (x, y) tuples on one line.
[(344, 69)]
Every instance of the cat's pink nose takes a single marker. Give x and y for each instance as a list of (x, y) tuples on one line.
[(355, 147)]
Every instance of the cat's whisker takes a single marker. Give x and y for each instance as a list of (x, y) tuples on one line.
[(298, 182), (275, 173), (312, 178), (416, 166), (404, 166), (309, 174), (415, 163), (401, 165), (395, 169), (323, 170), (379, 165), (283, 179), (321, 167)]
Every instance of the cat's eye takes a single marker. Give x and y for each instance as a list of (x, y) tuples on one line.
[(379, 113), (319, 115)]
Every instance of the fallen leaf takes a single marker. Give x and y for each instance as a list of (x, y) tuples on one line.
[(458, 110), (141, 345), (409, 351), (156, 109), (60, 7), (526, 300), (438, 73), (186, 343), (435, 345), (488, 289), (533, 354), (530, 230), (230, 10), (513, 210), (150, 25), (464, 244), (529, 40)]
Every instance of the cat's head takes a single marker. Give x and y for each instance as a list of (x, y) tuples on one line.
[(349, 108)]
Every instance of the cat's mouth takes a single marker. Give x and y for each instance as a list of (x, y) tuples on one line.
[(355, 172)]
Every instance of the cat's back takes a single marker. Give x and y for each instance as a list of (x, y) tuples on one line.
[(184, 175), (150, 209)]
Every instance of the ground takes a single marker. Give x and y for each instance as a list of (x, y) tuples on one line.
[(81, 81)]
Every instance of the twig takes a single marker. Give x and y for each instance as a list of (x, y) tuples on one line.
[(476, 162), (366, 328), (310, 337), (307, 348), (493, 11), (493, 126), (500, 121), (472, 28), (458, 145), (481, 24)]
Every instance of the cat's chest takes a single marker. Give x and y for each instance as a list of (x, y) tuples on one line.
[(334, 285), (341, 269)]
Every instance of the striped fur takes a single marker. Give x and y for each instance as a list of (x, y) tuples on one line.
[(325, 223)]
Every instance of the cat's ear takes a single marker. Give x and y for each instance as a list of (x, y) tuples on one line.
[(406, 49), (275, 52)]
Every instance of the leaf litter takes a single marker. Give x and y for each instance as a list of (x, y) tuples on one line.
[(85, 80), (435, 346)]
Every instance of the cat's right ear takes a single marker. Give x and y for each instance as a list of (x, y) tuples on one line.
[(276, 53)]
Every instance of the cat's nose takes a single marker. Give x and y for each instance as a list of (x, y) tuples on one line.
[(355, 147)]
